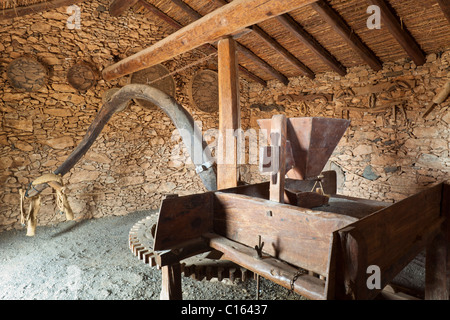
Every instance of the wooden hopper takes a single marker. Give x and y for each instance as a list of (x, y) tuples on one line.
[(312, 141)]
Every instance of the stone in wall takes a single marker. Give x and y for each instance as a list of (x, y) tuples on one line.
[(128, 167)]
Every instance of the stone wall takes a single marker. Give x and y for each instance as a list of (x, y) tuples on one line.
[(383, 156), (130, 166)]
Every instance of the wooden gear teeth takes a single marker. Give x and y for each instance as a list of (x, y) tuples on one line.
[(207, 266)]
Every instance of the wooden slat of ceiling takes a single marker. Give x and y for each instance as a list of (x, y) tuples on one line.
[(297, 48), (424, 19), (244, 55), (426, 23), (379, 40)]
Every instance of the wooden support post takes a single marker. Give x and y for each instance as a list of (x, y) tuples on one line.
[(171, 282), (303, 36), (229, 114), (35, 8), (437, 265), (340, 27), (278, 141)]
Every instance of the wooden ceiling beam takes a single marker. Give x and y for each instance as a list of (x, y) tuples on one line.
[(289, 57), (118, 7), (399, 32), (35, 8), (261, 63), (224, 21), (174, 24), (340, 27), (303, 36), (445, 7), (240, 48)]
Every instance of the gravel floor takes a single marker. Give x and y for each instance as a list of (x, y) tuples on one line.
[(90, 260)]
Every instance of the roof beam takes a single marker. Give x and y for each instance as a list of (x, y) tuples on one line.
[(303, 36), (174, 24), (445, 7), (240, 48), (35, 8), (399, 32), (289, 57), (340, 27), (275, 45), (226, 20), (118, 7), (261, 63)]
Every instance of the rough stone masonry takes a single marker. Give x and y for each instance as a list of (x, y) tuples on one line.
[(385, 156)]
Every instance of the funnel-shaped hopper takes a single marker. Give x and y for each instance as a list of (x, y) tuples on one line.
[(312, 141)]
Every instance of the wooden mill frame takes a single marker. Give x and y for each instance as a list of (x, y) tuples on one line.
[(335, 248)]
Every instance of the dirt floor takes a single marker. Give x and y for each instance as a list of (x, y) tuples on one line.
[(91, 260)]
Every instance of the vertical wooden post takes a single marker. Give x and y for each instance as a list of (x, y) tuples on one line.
[(437, 265), (229, 114), (278, 141), (171, 282)]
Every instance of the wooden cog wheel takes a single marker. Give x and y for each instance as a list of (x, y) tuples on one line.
[(207, 265)]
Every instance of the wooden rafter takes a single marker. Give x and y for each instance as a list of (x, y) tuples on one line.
[(340, 27), (35, 8), (224, 21), (303, 36), (261, 63), (289, 57), (117, 7), (275, 45), (445, 7), (399, 32), (174, 24), (241, 49)]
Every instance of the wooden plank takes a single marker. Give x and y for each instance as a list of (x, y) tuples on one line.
[(445, 7), (289, 57), (340, 27), (118, 7), (182, 219), (389, 238), (399, 32), (273, 269), (229, 115), (303, 36), (35, 8), (296, 235), (226, 20)]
